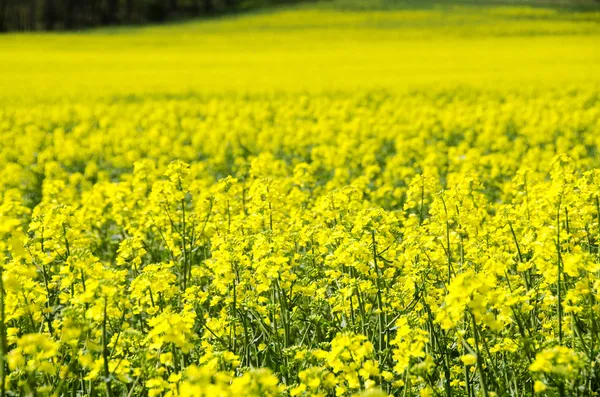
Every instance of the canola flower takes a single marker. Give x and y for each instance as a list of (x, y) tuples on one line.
[(330, 245), (237, 208)]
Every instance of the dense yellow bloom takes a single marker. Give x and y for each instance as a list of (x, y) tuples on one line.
[(341, 266), (442, 241)]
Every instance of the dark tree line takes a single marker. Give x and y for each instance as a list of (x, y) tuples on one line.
[(31, 15)]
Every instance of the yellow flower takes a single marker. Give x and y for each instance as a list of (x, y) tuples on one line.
[(539, 386), (468, 359)]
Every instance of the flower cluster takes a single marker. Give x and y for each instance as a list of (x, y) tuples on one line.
[(438, 243)]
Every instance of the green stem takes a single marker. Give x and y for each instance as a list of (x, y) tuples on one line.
[(3, 344), (479, 358), (379, 298), (558, 286), (107, 384)]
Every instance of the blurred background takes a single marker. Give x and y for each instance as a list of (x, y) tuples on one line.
[(39, 15), (76, 48), (32, 15)]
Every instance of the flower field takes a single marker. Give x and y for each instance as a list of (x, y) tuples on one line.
[(367, 233)]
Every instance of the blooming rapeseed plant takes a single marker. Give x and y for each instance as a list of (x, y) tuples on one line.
[(438, 242), (339, 261)]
